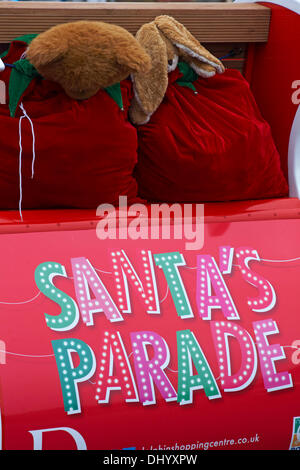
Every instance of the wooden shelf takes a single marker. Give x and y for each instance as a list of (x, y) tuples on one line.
[(208, 22)]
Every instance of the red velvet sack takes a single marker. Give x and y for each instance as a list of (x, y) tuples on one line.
[(82, 152), (210, 146)]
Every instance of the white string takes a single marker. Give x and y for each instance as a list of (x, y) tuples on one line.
[(20, 168), (166, 295), (25, 115), (101, 271), (280, 260), (33, 139), (261, 259), (172, 370), (23, 302), (39, 293), (52, 355), (27, 355), (161, 301)]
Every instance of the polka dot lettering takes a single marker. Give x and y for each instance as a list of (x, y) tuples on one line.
[(189, 353), (69, 316), (151, 371), (70, 376), (86, 280), (208, 276), (144, 286), (169, 263), (268, 354), (225, 259), (114, 371), (266, 299), (248, 368)]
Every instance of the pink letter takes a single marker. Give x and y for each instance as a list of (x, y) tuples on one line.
[(267, 297), (268, 354), (225, 259), (114, 372), (208, 275), (86, 280), (124, 272), (148, 370), (245, 375)]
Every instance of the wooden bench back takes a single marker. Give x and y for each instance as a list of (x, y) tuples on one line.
[(220, 27)]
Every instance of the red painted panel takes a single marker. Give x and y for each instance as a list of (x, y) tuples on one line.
[(275, 69), (32, 390)]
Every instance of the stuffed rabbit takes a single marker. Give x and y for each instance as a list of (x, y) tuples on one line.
[(166, 41), (200, 134)]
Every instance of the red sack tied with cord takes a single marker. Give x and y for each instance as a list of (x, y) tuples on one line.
[(208, 141), (60, 152)]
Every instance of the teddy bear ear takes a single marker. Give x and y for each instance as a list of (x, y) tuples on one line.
[(134, 57), (46, 48), (188, 46), (150, 86)]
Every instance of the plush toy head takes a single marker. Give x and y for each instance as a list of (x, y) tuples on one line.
[(166, 40), (85, 56)]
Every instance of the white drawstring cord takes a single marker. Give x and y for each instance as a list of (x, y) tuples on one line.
[(33, 139), (20, 169), (25, 115)]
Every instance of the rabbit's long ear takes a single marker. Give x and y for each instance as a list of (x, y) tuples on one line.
[(188, 45), (150, 87), (201, 69)]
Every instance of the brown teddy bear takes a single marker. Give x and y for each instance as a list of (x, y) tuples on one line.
[(66, 117), (166, 41), (85, 56)]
